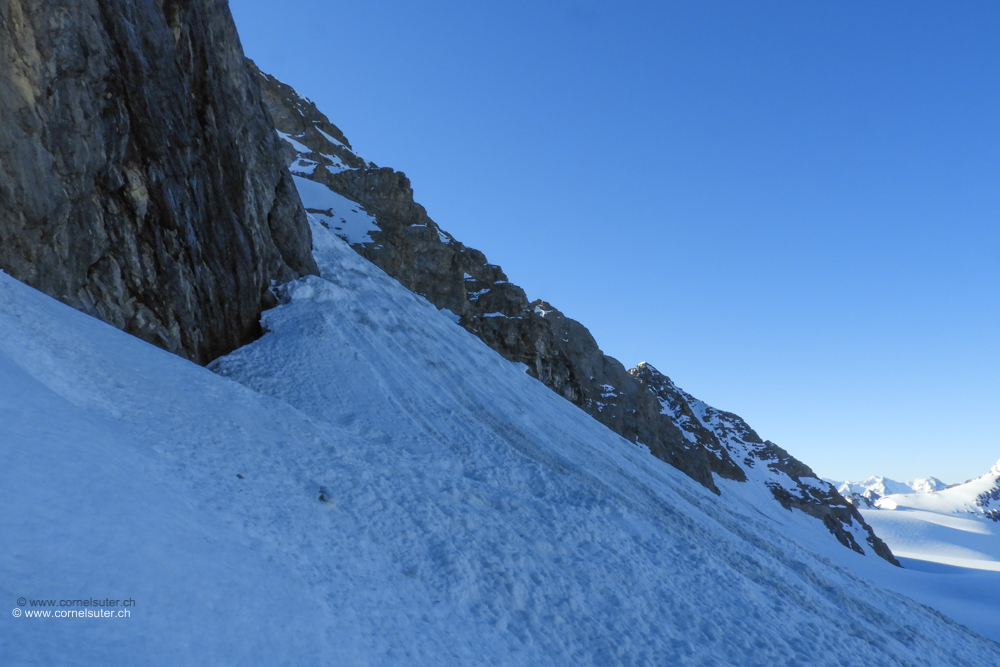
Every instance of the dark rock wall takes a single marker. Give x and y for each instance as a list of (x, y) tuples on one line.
[(141, 179)]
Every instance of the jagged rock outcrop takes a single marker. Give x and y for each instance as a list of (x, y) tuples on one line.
[(141, 180), (639, 404), (867, 499), (988, 501), (792, 483)]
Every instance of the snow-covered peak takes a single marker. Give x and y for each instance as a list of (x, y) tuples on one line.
[(955, 530), (980, 496), (927, 484), (868, 491)]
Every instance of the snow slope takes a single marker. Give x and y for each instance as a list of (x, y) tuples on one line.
[(948, 535), (958, 526), (387, 490), (385, 232), (979, 497)]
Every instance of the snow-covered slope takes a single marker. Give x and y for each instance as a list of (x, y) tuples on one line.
[(373, 209), (959, 525), (394, 492), (979, 497), (953, 536)]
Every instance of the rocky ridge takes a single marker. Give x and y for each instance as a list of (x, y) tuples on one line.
[(792, 483), (141, 180), (640, 404)]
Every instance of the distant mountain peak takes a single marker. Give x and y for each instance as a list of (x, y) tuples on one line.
[(867, 492), (976, 496)]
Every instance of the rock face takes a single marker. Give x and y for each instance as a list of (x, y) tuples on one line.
[(792, 483), (141, 180), (639, 404)]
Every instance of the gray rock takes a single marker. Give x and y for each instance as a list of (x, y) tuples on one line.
[(866, 499), (141, 179), (792, 483)]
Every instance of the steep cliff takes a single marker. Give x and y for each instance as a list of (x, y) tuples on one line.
[(374, 210), (140, 176)]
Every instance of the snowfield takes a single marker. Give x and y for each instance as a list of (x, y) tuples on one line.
[(369, 484), (948, 536)]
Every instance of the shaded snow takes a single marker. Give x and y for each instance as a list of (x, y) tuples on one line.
[(451, 316), (386, 490)]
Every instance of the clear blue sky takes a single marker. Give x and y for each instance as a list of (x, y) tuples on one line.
[(791, 208)]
